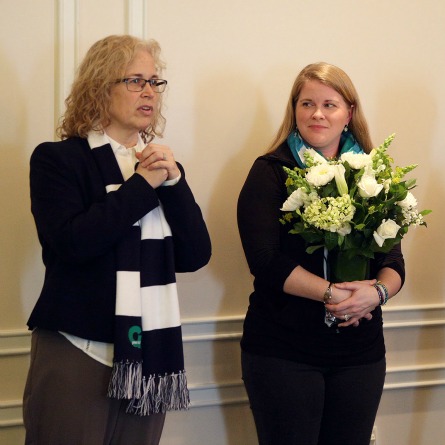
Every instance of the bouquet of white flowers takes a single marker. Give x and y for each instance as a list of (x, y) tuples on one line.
[(353, 207)]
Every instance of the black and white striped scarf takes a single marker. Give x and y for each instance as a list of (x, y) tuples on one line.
[(148, 366)]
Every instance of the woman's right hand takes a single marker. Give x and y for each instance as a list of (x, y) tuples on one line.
[(339, 295), (157, 164), (154, 177)]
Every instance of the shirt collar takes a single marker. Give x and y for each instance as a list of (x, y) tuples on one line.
[(99, 138)]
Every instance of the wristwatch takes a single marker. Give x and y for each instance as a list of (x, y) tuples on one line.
[(327, 295)]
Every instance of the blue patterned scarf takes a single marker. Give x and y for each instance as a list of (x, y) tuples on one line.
[(298, 146)]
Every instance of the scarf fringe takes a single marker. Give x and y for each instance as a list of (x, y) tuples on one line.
[(148, 395)]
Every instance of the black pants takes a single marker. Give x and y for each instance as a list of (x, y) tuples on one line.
[(297, 404), (65, 400)]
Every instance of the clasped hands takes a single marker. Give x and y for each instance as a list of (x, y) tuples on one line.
[(157, 164), (353, 301)]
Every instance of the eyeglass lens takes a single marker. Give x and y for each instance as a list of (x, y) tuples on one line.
[(138, 84)]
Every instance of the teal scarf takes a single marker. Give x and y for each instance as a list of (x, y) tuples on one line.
[(298, 146)]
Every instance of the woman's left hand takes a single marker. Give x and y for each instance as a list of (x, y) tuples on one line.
[(363, 300), (155, 156)]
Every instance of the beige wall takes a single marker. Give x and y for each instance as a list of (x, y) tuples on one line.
[(230, 68)]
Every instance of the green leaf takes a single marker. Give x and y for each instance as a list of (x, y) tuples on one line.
[(312, 249)]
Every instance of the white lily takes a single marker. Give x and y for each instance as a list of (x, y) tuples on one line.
[(339, 175)]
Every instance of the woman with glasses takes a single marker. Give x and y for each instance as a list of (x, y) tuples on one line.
[(310, 380), (116, 220)]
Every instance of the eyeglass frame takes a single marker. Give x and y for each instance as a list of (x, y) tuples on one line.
[(151, 82)]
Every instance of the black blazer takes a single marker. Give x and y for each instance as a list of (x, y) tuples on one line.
[(78, 225)]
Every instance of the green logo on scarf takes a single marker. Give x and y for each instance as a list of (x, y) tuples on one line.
[(135, 336)]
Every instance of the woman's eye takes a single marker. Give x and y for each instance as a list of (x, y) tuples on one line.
[(329, 105), (306, 104), (135, 81)]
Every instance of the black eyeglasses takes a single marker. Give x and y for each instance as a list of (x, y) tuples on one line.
[(138, 84)]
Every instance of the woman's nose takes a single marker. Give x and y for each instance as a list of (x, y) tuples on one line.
[(318, 114), (148, 90)]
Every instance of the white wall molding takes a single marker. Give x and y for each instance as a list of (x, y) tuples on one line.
[(14, 342), (136, 18), (11, 413), (396, 317), (214, 394), (228, 329), (67, 51)]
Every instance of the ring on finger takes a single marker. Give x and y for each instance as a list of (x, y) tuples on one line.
[(347, 317), (164, 157)]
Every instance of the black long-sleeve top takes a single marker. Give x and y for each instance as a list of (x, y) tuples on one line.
[(287, 326), (78, 226)]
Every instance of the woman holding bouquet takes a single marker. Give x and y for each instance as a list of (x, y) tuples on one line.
[(311, 379)]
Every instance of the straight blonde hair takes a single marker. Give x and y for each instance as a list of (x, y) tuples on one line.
[(336, 78)]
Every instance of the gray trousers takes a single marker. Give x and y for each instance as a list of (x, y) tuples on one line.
[(65, 400)]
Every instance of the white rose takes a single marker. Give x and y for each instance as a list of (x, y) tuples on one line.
[(321, 174), (357, 161), (387, 230), (410, 202), (296, 199), (368, 186), (345, 229)]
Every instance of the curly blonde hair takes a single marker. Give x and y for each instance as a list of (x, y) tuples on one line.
[(333, 77), (88, 104)]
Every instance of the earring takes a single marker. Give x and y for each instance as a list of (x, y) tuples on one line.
[(345, 129)]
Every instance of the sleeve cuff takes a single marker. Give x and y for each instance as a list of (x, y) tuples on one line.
[(172, 181)]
